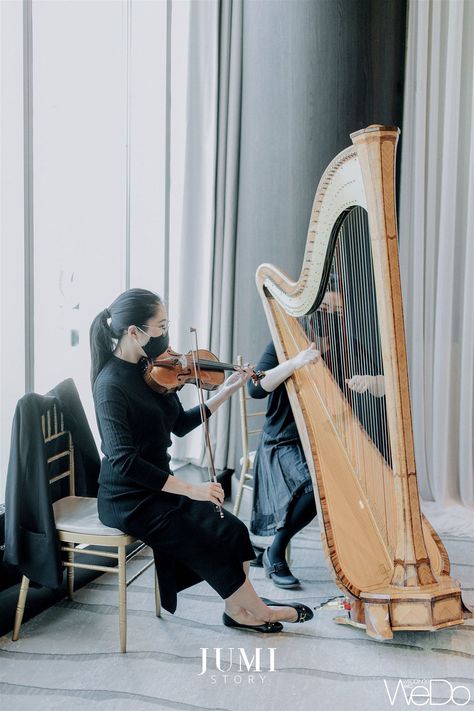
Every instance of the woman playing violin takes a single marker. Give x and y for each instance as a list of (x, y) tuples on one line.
[(139, 494)]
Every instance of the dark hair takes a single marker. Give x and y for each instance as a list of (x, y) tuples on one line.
[(134, 306)]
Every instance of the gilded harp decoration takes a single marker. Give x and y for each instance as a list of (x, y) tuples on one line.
[(352, 407)]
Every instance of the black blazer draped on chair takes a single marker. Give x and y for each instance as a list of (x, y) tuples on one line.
[(31, 541)]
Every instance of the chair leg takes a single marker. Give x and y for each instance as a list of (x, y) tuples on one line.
[(20, 607), (157, 597), (122, 599), (240, 490), (70, 574)]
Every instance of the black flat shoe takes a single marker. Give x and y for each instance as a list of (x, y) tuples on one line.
[(279, 572), (304, 612), (266, 627)]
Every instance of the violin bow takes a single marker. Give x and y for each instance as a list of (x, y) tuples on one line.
[(204, 420)]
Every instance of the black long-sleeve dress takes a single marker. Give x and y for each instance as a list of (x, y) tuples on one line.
[(189, 540), (280, 471)]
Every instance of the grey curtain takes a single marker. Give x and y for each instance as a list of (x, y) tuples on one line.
[(226, 204), (312, 72), (204, 195), (282, 86)]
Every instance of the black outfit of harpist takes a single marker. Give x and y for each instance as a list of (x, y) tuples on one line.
[(280, 472), (190, 541)]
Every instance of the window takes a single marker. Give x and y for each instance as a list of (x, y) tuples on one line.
[(93, 148)]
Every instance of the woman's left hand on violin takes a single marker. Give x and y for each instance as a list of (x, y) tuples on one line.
[(237, 380)]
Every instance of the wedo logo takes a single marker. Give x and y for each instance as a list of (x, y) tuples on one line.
[(422, 692)]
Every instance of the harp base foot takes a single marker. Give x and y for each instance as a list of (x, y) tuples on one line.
[(340, 620), (374, 619), (387, 634), (383, 614)]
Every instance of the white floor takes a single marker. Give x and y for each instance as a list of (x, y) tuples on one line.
[(67, 657)]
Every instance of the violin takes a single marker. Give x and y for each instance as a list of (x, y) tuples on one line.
[(169, 371)]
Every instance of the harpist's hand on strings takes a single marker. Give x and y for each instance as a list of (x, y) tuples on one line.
[(309, 355), (375, 384), (207, 491)]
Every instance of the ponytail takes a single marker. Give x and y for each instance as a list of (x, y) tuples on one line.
[(134, 306), (101, 343)]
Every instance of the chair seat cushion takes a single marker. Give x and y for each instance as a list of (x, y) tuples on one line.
[(78, 514)]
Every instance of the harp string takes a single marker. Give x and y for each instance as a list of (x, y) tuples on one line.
[(360, 322), (345, 329), (347, 325), (314, 388), (349, 338)]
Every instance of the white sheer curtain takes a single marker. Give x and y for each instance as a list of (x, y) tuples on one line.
[(437, 253), (166, 59), (193, 151)]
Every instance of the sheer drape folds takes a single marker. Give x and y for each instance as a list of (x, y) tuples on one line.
[(437, 253), (205, 120), (226, 202)]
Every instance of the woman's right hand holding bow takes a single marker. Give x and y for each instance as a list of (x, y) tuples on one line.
[(207, 491)]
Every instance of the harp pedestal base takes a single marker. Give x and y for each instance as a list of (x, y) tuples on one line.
[(394, 609)]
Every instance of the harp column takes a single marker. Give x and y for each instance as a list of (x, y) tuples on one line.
[(376, 147)]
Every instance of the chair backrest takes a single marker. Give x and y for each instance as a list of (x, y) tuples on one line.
[(58, 440), (86, 455), (248, 435), (41, 470)]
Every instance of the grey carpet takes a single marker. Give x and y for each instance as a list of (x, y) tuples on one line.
[(68, 658)]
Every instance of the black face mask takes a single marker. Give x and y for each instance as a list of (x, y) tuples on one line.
[(157, 345)]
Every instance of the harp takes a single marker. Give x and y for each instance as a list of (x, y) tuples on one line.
[(358, 441)]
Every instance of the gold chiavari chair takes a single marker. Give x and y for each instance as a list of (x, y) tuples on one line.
[(79, 529)]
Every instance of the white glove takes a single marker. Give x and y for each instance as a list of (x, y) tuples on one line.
[(309, 355), (373, 383)]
